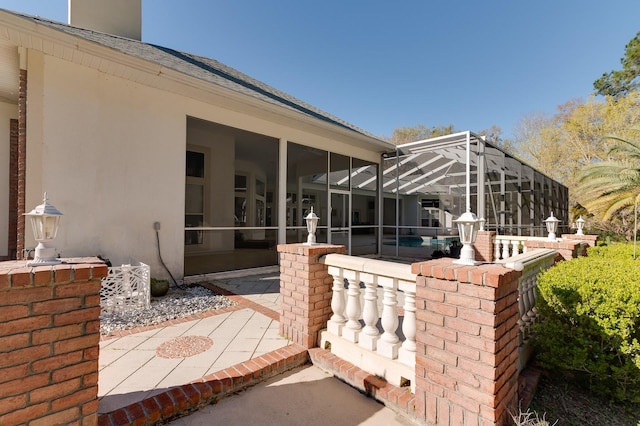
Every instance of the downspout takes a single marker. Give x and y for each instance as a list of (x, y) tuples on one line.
[(22, 152)]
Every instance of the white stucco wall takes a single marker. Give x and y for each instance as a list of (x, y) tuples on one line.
[(7, 112), (111, 155)]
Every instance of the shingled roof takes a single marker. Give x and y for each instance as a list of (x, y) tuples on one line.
[(205, 69)]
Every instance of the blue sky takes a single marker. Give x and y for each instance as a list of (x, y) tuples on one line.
[(383, 64)]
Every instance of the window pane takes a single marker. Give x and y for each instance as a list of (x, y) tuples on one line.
[(195, 164)]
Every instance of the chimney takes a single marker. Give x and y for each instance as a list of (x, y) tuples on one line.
[(118, 17)]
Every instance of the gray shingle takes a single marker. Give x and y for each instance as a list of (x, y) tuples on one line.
[(202, 68)]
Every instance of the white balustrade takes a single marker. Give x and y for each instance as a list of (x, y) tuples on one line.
[(531, 264), (508, 246), (384, 283), (337, 320), (353, 327)]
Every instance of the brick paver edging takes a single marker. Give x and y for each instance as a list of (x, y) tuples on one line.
[(181, 400), (240, 303)]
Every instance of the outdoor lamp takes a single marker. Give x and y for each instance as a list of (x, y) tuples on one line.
[(580, 225), (44, 221), (312, 225), (552, 226), (468, 226)]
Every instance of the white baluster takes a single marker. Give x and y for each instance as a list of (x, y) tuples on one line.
[(505, 249), (407, 353), (370, 333), (353, 311), (337, 321), (524, 247), (496, 246), (389, 341), (514, 247)]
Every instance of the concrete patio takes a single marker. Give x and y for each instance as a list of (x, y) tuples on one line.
[(143, 367)]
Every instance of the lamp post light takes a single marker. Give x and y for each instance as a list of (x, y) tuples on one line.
[(468, 226), (45, 219), (552, 226), (312, 225), (580, 225)]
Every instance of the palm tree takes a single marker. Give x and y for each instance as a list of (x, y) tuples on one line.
[(608, 187)]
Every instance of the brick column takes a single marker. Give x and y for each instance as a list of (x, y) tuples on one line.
[(22, 161), (305, 291), (467, 343), (49, 343), (13, 190), (591, 240), (484, 246)]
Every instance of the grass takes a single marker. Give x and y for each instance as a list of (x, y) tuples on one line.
[(563, 403)]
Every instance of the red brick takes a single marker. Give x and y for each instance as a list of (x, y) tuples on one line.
[(27, 295), (24, 324), (20, 277), (77, 370), (11, 403), (77, 316), (18, 356), (56, 305), (57, 333), (152, 409), (55, 362), (10, 373), (62, 273), (167, 407), (76, 289), (15, 341), (179, 398), (18, 416), (8, 313), (23, 385), (73, 344), (55, 390)]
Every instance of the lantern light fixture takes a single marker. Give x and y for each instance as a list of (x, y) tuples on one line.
[(580, 225), (468, 226), (312, 226), (552, 226), (45, 219)]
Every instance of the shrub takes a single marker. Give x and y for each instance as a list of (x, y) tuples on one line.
[(590, 321)]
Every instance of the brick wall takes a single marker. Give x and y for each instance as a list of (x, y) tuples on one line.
[(305, 291), (567, 249), (13, 190), (49, 343), (484, 246), (467, 343)]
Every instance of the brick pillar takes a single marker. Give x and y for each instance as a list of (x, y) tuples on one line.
[(467, 343), (49, 343), (13, 190), (22, 161), (591, 240), (484, 246), (305, 291), (567, 249)]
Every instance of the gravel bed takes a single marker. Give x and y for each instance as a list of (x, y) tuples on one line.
[(176, 304)]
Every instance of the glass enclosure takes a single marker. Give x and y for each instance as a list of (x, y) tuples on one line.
[(403, 207)]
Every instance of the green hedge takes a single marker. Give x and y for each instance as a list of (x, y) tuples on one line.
[(589, 324)]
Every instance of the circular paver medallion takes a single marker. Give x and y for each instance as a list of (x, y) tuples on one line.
[(184, 346)]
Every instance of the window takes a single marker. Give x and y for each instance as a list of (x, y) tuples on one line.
[(430, 213), (194, 196)]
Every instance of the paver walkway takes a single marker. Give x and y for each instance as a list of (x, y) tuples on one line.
[(139, 365)]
